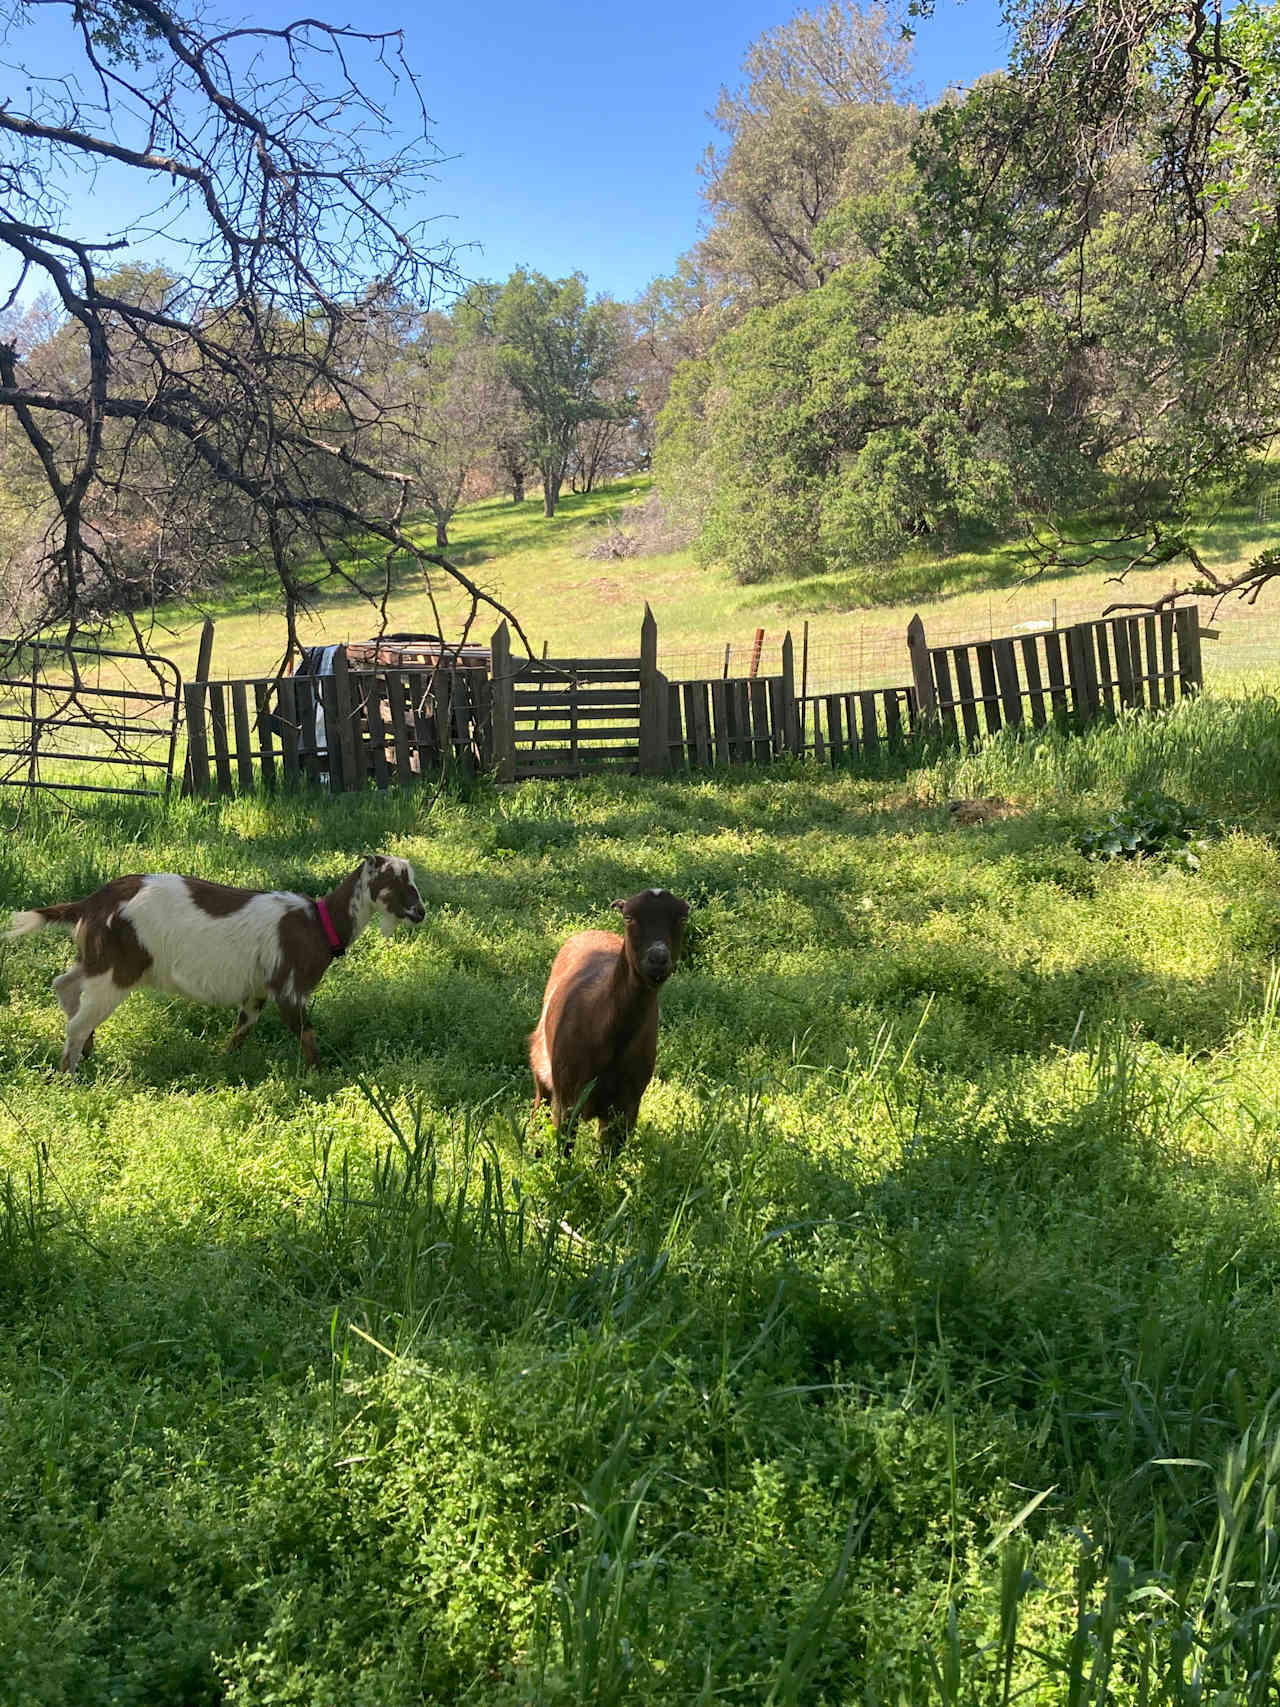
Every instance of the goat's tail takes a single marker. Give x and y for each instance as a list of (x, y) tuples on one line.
[(36, 918)]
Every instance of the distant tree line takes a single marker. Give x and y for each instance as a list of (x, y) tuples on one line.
[(1050, 303)]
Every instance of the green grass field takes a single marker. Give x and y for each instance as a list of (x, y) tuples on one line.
[(576, 605), (920, 1348)]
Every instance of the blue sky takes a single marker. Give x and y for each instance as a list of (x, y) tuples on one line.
[(574, 130)]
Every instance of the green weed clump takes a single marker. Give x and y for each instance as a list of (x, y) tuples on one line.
[(1151, 826), (920, 1348)]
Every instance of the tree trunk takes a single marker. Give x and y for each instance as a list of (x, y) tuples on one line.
[(517, 488), (442, 530), (552, 480)]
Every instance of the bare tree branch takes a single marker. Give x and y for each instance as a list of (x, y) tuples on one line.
[(214, 406)]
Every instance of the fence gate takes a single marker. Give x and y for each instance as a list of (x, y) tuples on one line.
[(85, 720), (560, 717), (575, 714)]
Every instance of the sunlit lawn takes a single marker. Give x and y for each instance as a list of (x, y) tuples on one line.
[(931, 1310), (576, 605)]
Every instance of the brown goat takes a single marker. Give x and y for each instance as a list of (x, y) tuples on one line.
[(596, 1041)]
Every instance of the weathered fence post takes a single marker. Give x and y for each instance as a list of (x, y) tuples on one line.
[(790, 709), (504, 705), (196, 775), (33, 761), (653, 699), (203, 655), (921, 674), (347, 744), (1190, 668), (1083, 673), (804, 689)]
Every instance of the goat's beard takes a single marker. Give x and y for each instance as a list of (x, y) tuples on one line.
[(386, 924)]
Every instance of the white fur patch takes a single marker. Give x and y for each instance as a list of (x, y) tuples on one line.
[(22, 924), (99, 997), (227, 960)]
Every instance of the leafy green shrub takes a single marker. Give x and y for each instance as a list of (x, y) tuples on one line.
[(1152, 826)]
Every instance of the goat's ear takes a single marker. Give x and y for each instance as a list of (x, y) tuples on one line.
[(375, 861), (683, 909), (619, 906)]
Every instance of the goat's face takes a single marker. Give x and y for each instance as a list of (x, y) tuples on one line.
[(393, 891), (655, 929)]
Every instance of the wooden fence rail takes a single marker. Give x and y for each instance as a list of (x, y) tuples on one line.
[(727, 722), (733, 720), (857, 725)]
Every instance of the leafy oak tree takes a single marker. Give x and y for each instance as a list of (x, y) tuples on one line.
[(1135, 148), (1065, 318), (559, 351), (824, 114)]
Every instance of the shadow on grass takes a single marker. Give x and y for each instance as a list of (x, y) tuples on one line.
[(315, 1398)]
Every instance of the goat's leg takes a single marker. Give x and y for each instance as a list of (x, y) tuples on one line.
[(99, 996), (617, 1127), (294, 1015), (614, 1131), (67, 986), (246, 1019), (542, 1092), (562, 1119)]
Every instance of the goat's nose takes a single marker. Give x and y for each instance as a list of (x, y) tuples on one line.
[(658, 957)]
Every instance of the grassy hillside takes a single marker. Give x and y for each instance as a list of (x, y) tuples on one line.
[(578, 605), (921, 1346)]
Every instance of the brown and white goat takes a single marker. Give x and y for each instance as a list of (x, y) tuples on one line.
[(232, 947), (599, 1021)]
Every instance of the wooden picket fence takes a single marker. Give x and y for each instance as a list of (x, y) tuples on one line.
[(339, 731), (732, 719), (861, 725), (560, 717), (1070, 675)]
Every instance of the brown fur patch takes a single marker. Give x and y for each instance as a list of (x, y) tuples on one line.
[(105, 941), (652, 916), (304, 948), (217, 899), (599, 1016)]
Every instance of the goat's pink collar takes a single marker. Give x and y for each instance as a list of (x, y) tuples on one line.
[(326, 925)]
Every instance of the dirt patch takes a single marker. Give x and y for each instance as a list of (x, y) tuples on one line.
[(608, 592), (981, 809)]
